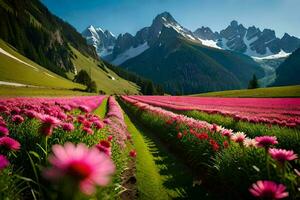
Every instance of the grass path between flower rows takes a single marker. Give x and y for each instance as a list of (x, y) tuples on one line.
[(159, 174), (102, 109)]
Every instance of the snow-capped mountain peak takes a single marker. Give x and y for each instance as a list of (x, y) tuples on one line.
[(103, 41), (250, 41)]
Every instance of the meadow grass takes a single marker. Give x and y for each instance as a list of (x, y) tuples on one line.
[(102, 75), (284, 91), (11, 70), (12, 91)]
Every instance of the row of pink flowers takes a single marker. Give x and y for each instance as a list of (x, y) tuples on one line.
[(115, 119), (280, 111)]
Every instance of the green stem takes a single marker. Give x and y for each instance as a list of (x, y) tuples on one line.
[(268, 163)]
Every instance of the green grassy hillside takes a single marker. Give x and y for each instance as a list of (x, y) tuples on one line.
[(106, 79), (12, 70), (27, 72), (285, 91)]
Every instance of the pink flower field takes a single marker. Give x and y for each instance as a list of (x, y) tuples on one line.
[(281, 111), (59, 148)]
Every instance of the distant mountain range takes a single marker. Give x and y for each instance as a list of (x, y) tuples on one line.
[(250, 41), (187, 62), (173, 56)]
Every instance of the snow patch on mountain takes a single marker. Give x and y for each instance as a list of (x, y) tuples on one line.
[(281, 54), (210, 43), (178, 28), (130, 53)]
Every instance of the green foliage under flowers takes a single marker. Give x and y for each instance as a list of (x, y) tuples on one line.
[(288, 138), (236, 168), (28, 163), (11, 185)]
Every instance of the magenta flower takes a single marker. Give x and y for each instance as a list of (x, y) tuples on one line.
[(86, 167), (3, 108), (132, 153), (4, 131), (110, 138), (282, 155), (84, 108), (47, 119), (3, 162), (67, 126), (98, 125), (268, 190), (48, 123), (104, 146), (179, 135), (266, 141), (87, 124), (31, 114), (18, 119), (226, 133), (9, 143), (88, 130)]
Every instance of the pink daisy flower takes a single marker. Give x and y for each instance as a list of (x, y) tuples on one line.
[(226, 133), (250, 142), (282, 155), (268, 190), (67, 126), (9, 143), (98, 125), (3, 162), (88, 130), (84, 108), (18, 119), (4, 131), (31, 114), (87, 167), (266, 141), (104, 146), (238, 137), (47, 119), (48, 123)]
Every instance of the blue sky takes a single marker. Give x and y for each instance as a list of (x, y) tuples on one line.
[(120, 16)]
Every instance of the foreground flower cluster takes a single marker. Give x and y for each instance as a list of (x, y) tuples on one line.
[(280, 111), (229, 152), (58, 141)]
